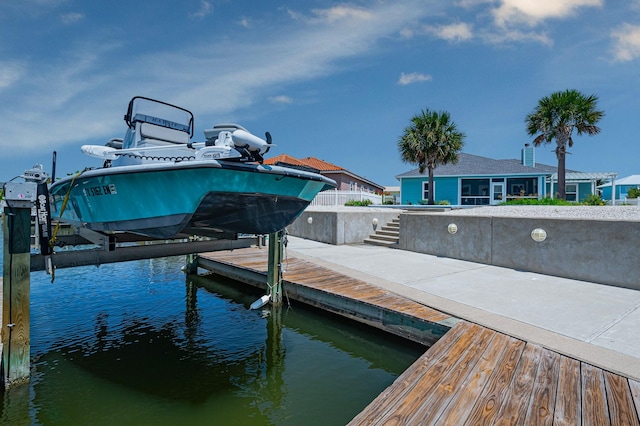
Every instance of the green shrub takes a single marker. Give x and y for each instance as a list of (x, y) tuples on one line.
[(443, 203), (593, 200), (633, 193), (354, 203), (542, 202)]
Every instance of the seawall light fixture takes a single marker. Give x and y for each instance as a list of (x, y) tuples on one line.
[(310, 220), (452, 228), (539, 235)]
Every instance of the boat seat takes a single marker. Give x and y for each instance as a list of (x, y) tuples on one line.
[(114, 143), (153, 131)]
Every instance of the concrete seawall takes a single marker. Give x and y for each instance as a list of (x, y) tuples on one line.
[(340, 225), (600, 251), (597, 250)]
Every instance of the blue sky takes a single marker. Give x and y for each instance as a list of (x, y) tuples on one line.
[(334, 80)]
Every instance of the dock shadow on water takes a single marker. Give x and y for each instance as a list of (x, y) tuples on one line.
[(138, 343)]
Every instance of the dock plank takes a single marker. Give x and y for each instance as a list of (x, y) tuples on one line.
[(543, 400), (500, 351), (486, 408), (595, 410), (622, 410), (514, 408), (447, 386), (569, 395), (635, 394)]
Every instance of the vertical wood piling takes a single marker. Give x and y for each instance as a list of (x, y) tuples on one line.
[(274, 267), (16, 342)]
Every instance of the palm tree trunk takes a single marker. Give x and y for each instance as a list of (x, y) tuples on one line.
[(561, 154), (430, 199)]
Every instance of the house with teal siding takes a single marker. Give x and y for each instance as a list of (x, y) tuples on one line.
[(476, 180), (619, 187)]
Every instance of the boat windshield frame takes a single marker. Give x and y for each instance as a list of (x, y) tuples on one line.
[(148, 110)]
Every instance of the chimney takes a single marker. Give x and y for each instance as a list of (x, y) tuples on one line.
[(528, 156)]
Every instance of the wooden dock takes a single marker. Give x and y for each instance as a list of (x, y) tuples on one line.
[(471, 375)]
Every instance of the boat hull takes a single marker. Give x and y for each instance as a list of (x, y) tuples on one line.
[(166, 199)]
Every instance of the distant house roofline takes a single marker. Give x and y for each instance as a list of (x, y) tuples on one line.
[(475, 165), (319, 166)]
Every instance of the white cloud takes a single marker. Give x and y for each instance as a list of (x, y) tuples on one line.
[(281, 99), (509, 35), (10, 73), (71, 18), (205, 9), (528, 12), (414, 77), (453, 32), (84, 89), (626, 43), (343, 12)]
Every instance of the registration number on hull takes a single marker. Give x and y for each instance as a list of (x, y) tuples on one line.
[(95, 191)]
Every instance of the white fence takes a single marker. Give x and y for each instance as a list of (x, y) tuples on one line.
[(339, 198)]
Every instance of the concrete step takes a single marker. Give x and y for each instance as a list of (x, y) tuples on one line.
[(390, 244), (388, 235), (391, 233), (379, 237)]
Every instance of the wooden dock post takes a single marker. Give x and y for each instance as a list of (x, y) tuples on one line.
[(16, 343), (274, 267)]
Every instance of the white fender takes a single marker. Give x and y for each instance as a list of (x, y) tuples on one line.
[(260, 302), (99, 151)]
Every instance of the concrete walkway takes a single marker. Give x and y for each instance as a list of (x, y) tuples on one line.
[(594, 323)]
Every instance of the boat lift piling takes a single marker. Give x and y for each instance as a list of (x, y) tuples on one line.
[(16, 280), (277, 241)]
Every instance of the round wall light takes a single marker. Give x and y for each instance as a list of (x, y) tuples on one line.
[(452, 228), (375, 221), (309, 220), (539, 235)]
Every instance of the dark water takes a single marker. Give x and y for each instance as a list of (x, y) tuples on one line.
[(140, 343)]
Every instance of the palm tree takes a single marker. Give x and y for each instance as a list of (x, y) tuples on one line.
[(430, 140), (556, 117)]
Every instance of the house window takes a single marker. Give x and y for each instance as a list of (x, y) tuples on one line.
[(474, 192), (571, 190), (522, 188), (425, 190)]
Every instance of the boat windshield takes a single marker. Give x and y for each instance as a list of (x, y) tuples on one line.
[(159, 113)]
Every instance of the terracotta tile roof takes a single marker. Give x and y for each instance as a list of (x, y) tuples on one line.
[(321, 165), (284, 158)]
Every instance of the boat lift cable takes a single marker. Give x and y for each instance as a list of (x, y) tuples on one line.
[(53, 240)]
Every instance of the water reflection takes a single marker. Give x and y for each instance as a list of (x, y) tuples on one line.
[(137, 343)]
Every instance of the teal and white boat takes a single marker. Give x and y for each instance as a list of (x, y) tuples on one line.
[(157, 182)]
